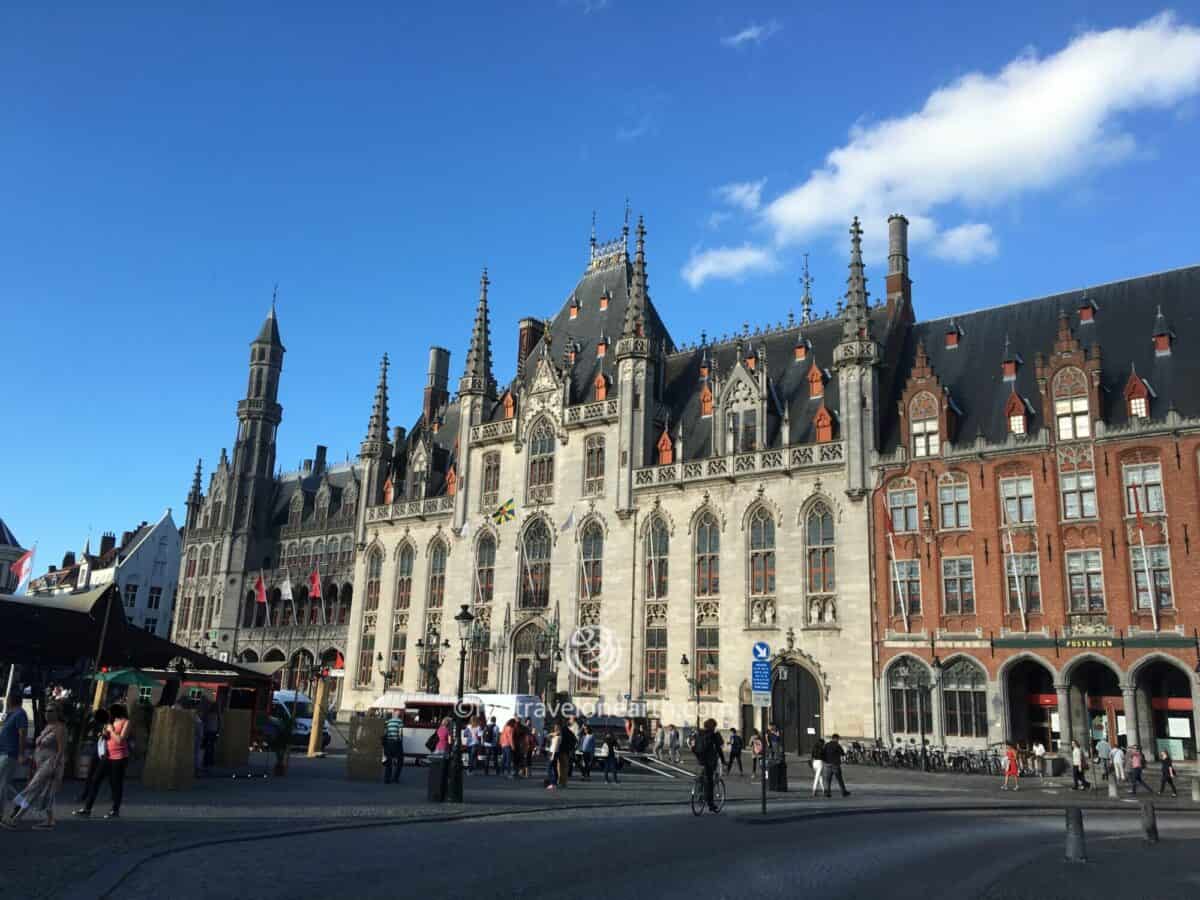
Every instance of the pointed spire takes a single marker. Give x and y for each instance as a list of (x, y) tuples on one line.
[(635, 311), (195, 492), (806, 299), (1160, 323), (377, 425), (477, 377), (856, 321), (269, 333)]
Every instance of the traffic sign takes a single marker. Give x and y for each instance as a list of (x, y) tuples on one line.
[(760, 676), (762, 650), (762, 699)]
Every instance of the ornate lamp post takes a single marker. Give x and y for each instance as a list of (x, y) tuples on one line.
[(919, 682), (430, 655), (454, 792), (549, 654), (693, 684), (388, 675)]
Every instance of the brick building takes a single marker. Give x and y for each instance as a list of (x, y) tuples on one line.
[(1038, 485)]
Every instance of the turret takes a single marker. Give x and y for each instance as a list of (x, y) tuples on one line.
[(194, 499), (259, 415)]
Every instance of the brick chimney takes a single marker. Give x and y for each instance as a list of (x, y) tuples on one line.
[(436, 383), (899, 287), (529, 332), (319, 459)]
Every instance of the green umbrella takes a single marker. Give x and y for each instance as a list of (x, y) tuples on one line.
[(129, 676)]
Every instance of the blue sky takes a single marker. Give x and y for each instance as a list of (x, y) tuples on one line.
[(160, 170)]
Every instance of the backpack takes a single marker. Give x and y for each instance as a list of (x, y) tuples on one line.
[(431, 742)]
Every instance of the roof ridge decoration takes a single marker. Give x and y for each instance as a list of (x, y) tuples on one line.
[(612, 253), (633, 340), (857, 346), (806, 298), (377, 426), (477, 375)]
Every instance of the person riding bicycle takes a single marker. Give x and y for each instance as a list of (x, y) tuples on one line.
[(708, 749)]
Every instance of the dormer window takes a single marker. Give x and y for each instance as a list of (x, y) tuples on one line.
[(741, 431), (601, 348), (509, 405), (1137, 397), (1139, 408), (706, 401), (603, 302), (823, 425), (451, 482), (600, 387), (801, 350), (925, 429), (1162, 344), (816, 383), (751, 361), (1071, 413), (666, 450), (1016, 423), (1016, 414), (1087, 311), (573, 311), (953, 333)]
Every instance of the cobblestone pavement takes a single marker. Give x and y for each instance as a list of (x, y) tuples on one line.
[(80, 855)]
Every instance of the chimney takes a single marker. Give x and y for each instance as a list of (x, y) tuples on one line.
[(1087, 311), (68, 559), (306, 467), (529, 332), (437, 382), (108, 540), (126, 537), (397, 437), (319, 460), (899, 287)]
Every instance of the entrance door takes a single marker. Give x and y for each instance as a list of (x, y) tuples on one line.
[(796, 707)]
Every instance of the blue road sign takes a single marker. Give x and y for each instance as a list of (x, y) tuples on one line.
[(762, 650), (760, 675)]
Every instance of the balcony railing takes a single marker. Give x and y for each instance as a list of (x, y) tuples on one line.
[(410, 509), (785, 459)]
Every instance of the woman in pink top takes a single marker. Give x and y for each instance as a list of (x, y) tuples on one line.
[(443, 737), (112, 767)]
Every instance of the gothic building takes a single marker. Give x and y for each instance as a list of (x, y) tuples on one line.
[(676, 504)]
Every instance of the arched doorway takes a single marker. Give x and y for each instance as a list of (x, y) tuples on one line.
[(329, 660), (300, 671), (1032, 705), (796, 706), (248, 656), (529, 671), (1097, 707), (275, 655), (747, 710), (1165, 709)]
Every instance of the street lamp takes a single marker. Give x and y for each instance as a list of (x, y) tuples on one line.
[(693, 685), (430, 655), (919, 682), (549, 654), (454, 773), (388, 675)]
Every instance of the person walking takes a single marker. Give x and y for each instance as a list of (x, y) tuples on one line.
[(470, 740), (1039, 758), (1118, 764), (529, 742), (96, 735), (708, 747), (552, 750), (1011, 770), (393, 748), (818, 763), (735, 752), (660, 744), (506, 748), (13, 735), (774, 743), (587, 750), (1137, 765), (566, 754), (1078, 765), (831, 756), (116, 760), (49, 762), (1168, 773), (612, 761), (444, 735), (756, 754), (212, 731), (491, 746), (674, 743), (1104, 754)]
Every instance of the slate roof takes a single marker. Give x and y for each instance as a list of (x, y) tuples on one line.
[(269, 333), (7, 538), (1124, 324), (341, 476)]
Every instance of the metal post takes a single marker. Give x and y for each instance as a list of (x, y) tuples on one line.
[(454, 792), (1112, 787), (764, 761), (316, 736), (921, 726), (1196, 790), (1149, 822), (1076, 845)]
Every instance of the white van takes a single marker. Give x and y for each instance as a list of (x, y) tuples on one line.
[(422, 713), (503, 707), (300, 705)]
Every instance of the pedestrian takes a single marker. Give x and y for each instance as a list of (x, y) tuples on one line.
[(393, 748), (818, 763), (49, 762), (13, 735), (1039, 756), (471, 743), (756, 754), (831, 756), (587, 750), (735, 752), (660, 743), (774, 742), (116, 760), (674, 741), (212, 731), (708, 749), (611, 760), (491, 746), (1137, 764), (1078, 765), (1011, 769), (443, 734), (1118, 764), (1168, 773), (1104, 753), (506, 748), (566, 754), (552, 749), (197, 739), (95, 734), (528, 747)]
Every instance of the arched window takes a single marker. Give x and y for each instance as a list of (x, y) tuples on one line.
[(1071, 414), (319, 552), (399, 649), (404, 577), (908, 684), (343, 615), (658, 546), (593, 472), (248, 656), (205, 561), (190, 571), (366, 644), (924, 428), (964, 693), (954, 501), (181, 615), (535, 577), (591, 575), (249, 610), (708, 557), (347, 549), (819, 534), (314, 609), (541, 461), (437, 576), (489, 495), (198, 613), (762, 553), (329, 597), (485, 569), (306, 555)]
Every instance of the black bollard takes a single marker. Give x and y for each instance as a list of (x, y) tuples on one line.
[(1149, 822), (1076, 846)]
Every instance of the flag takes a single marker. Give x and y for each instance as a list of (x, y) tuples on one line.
[(505, 512), (389, 491), (260, 590), (570, 522), (1137, 508), (285, 590), (339, 662), (314, 583), (465, 531), (22, 569)]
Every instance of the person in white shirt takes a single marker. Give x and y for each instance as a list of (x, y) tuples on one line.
[(1039, 755), (1117, 761)]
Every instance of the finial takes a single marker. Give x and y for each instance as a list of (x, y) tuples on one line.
[(1006, 354), (703, 337), (628, 211), (274, 295), (593, 230)]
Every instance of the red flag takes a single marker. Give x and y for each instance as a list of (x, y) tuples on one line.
[(1137, 507), (260, 590), (22, 568), (340, 662), (389, 492), (314, 583)]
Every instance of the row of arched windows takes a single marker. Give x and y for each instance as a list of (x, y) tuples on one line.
[(331, 608), (305, 554)]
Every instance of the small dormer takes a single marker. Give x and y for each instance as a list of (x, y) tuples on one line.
[(389, 491), (1164, 337), (451, 482), (816, 383), (600, 387), (752, 359), (801, 349), (1087, 311), (1016, 414), (573, 308), (953, 335), (602, 346), (823, 425), (604, 301), (1138, 394), (666, 450), (706, 400), (1010, 364), (508, 404)]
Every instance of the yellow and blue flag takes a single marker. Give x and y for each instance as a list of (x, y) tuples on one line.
[(505, 512)]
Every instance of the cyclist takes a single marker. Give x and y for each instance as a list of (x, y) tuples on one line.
[(708, 749)]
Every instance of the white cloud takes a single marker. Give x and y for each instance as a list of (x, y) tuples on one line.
[(987, 138), (727, 262), (636, 129), (744, 194), (966, 243), (751, 34), (716, 219)]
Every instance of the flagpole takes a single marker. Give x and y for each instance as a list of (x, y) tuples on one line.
[(1137, 509), (1012, 563), (896, 576)]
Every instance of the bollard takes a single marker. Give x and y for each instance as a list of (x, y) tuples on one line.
[(1112, 789), (1076, 847), (1196, 790), (1149, 822)]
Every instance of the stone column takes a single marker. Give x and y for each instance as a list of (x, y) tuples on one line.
[(938, 738), (1066, 732), (1129, 701)]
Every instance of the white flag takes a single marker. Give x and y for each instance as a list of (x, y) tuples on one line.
[(465, 531), (285, 590), (570, 523)]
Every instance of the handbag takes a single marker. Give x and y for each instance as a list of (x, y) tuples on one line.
[(431, 742)]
